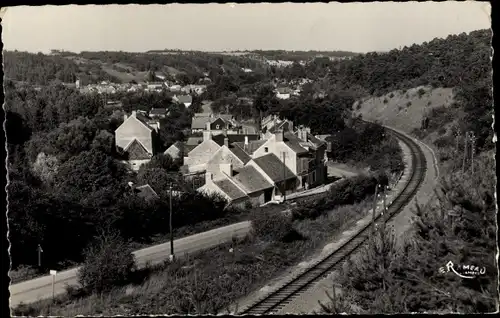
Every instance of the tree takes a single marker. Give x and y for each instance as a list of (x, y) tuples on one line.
[(104, 142), (90, 171), (108, 263), (45, 167), (70, 139)]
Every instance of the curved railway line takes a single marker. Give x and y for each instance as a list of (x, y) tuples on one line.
[(294, 287)]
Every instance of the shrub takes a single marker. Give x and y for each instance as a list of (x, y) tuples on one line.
[(271, 226), (421, 92), (108, 262), (408, 104), (386, 100), (391, 95), (349, 191)]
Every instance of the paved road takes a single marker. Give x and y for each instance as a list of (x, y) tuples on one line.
[(41, 288)]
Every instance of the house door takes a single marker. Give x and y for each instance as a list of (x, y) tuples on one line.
[(268, 195)]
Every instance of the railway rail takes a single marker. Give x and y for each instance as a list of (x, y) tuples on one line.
[(293, 288)]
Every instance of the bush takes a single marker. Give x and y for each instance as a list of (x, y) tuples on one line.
[(108, 262), (421, 92), (391, 95), (408, 104), (352, 190), (386, 100), (271, 226)]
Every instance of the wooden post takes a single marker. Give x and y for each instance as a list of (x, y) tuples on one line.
[(284, 177), (171, 228), (374, 208)]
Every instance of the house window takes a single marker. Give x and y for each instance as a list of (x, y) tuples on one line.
[(313, 176), (266, 149), (217, 127)]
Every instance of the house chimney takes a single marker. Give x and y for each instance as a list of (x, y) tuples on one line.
[(125, 117), (208, 177), (134, 113), (226, 141), (207, 135), (226, 168), (279, 135), (246, 140), (207, 126), (303, 134)]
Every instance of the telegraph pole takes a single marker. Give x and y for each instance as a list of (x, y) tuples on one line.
[(375, 207), (40, 251), (172, 257), (384, 197), (284, 177)]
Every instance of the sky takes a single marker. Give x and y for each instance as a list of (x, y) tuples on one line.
[(356, 27)]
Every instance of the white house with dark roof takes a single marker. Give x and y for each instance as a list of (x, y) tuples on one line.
[(136, 137), (187, 100), (283, 92)]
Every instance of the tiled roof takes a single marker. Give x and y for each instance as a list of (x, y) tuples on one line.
[(251, 180), (284, 125), (316, 141), (232, 138), (293, 142), (283, 90), (146, 192), (202, 115), (274, 168), (143, 119), (185, 99), (188, 148), (158, 111), (251, 147), (322, 137), (200, 122), (194, 140), (230, 189), (238, 152)]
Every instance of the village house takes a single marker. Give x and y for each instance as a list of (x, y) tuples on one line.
[(137, 137), (283, 92), (264, 170), (217, 124), (155, 86), (158, 113), (175, 88), (187, 100), (196, 160)]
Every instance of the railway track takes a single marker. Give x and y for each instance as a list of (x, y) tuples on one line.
[(293, 288)]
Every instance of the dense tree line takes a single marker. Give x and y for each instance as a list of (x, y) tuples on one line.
[(44, 69), (67, 182)]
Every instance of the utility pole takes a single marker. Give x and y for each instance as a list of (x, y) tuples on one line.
[(384, 197), (172, 257), (284, 177), (374, 207), (40, 251)]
